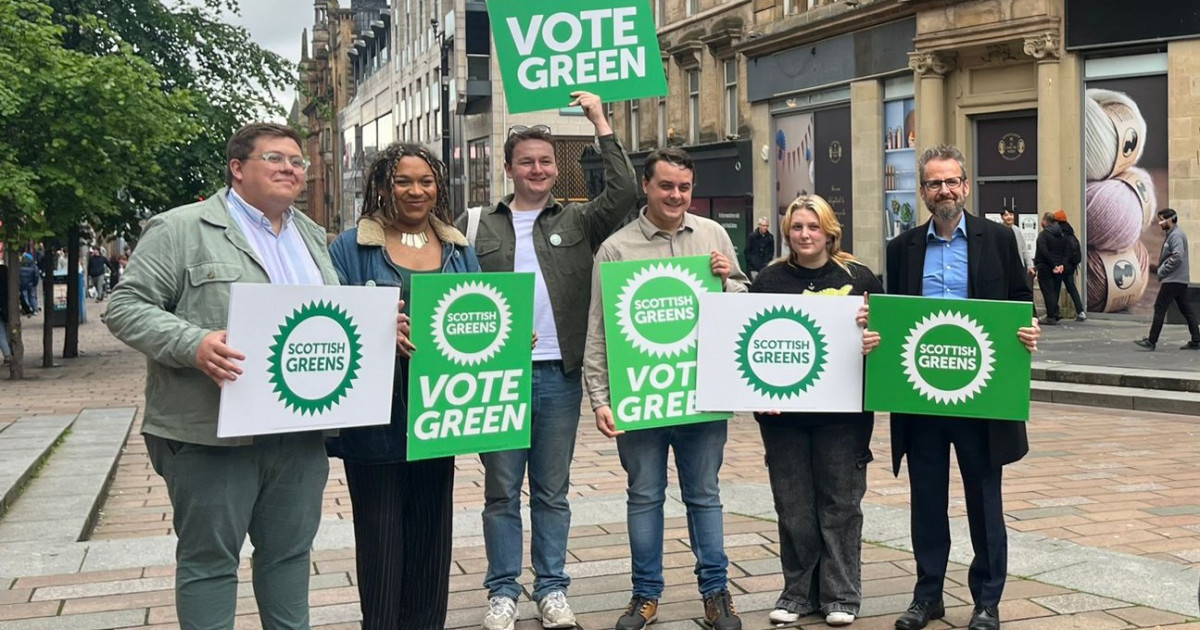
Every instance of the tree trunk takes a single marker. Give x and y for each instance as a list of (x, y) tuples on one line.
[(49, 263), (74, 296), (16, 367)]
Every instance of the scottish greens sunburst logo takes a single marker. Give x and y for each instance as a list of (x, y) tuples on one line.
[(471, 323), (658, 310), (315, 358), (781, 352), (948, 357)]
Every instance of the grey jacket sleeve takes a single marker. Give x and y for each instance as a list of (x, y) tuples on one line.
[(141, 310)]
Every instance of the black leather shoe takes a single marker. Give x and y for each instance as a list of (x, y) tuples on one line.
[(919, 614), (985, 618), (1191, 345)]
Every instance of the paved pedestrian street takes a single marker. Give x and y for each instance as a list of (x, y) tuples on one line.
[(1103, 515)]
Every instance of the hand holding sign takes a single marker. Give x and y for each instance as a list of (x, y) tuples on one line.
[(217, 360), (1029, 336), (593, 110), (403, 330)]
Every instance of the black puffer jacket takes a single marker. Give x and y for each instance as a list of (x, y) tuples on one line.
[(1053, 248)]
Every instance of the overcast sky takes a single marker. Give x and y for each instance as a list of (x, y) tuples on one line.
[(276, 25)]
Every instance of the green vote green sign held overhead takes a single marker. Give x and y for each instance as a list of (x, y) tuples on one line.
[(547, 50)]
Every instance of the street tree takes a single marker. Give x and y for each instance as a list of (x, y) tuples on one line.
[(75, 128)]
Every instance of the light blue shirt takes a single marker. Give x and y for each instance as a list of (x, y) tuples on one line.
[(946, 263), (284, 255)]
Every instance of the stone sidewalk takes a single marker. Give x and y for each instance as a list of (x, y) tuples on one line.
[(1104, 516)]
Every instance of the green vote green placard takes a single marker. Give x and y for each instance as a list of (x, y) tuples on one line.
[(949, 358), (549, 49), (470, 380), (651, 324)]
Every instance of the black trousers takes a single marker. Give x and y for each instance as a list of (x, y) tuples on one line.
[(403, 515), (1050, 284), (929, 440), (1068, 281), (1173, 292)]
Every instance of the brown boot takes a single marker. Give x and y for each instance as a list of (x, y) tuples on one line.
[(638, 614), (719, 613)]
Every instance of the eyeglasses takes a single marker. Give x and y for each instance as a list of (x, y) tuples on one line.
[(935, 185), (274, 158), (516, 129)]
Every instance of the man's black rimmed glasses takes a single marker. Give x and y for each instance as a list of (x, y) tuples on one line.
[(934, 185)]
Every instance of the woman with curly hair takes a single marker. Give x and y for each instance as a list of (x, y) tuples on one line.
[(402, 510)]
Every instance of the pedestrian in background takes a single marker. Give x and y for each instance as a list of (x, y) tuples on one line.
[(1050, 261), (1074, 256), (172, 306), (1010, 219), (403, 511), (760, 247), (817, 462), (97, 267), (1173, 274), (5, 346), (29, 283)]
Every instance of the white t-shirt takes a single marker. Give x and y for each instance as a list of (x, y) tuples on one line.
[(525, 259)]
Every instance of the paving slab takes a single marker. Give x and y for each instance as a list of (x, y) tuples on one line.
[(24, 444), (67, 495)]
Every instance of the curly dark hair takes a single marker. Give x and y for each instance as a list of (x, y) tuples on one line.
[(378, 198)]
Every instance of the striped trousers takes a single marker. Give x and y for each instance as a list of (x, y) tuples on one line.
[(402, 538)]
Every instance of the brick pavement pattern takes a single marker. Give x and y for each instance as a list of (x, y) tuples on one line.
[(1120, 481)]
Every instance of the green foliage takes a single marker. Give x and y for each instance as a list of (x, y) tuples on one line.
[(112, 110)]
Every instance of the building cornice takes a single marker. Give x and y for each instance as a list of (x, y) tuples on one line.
[(822, 23), (1015, 29)]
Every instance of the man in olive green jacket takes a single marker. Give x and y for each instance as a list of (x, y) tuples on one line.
[(171, 305), (531, 231)]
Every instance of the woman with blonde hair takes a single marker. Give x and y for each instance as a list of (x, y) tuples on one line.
[(817, 461)]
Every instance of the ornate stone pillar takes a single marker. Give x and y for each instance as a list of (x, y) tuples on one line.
[(930, 69), (1046, 49)]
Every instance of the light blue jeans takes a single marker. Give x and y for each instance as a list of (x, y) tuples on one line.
[(699, 452), (555, 420)]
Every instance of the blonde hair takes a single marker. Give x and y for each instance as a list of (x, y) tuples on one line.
[(830, 225)]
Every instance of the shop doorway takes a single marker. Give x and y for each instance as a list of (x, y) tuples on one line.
[(1006, 168)]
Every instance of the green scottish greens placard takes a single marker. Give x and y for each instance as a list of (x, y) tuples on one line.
[(949, 358), (547, 50), (651, 324), (470, 379)]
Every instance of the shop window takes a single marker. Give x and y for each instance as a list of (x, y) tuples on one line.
[(731, 98), (693, 106), (478, 173)]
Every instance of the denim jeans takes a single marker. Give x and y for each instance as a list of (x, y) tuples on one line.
[(818, 477), (555, 421), (5, 347), (699, 451)]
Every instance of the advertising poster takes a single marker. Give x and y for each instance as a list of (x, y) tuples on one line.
[(795, 170), (548, 49), (316, 358), (1125, 166), (470, 380), (765, 351), (651, 322), (940, 357), (834, 172)]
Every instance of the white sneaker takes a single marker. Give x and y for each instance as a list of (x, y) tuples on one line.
[(555, 611), (782, 615), (501, 614), (839, 618)]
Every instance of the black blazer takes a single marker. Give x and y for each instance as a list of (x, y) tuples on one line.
[(994, 272)]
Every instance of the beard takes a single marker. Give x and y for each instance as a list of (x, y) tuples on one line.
[(947, 210)]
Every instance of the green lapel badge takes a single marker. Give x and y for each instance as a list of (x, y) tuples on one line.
[(315, 358)]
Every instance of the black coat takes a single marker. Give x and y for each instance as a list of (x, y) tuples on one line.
[(1053, 247), (760, 248), (994, 272)]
